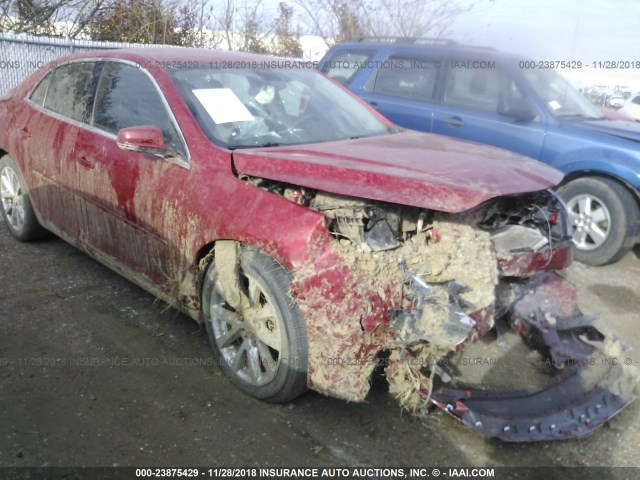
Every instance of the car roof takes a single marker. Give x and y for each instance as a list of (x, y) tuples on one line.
[(422, 44), (167, 55)]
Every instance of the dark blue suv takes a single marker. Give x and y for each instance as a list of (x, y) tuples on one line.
[(525, 106)]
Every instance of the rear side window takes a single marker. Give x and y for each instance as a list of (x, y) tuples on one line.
[(70, 90), (408, 77), (482, 89), (38, 93), (127, 97), (343, 66)]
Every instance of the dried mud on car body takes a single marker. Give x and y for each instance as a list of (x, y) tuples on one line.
[(58, 303), (463, 253), (342, 353)]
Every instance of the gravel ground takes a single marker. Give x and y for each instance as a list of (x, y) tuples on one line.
[(94, 372)]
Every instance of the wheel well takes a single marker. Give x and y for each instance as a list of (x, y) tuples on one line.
[(203, 258), (204, 251), (2, 153), (583, 174)]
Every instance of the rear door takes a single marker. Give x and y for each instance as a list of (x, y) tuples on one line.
[(58, 106), (402, 88), (482, 102)]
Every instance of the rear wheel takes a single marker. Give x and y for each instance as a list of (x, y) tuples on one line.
[(604, 217), (17, 211), (261, 344)]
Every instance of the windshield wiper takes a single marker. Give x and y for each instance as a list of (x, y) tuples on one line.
[(263, 145), (391, 130), (270, 144)]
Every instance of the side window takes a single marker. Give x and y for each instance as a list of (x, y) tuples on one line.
[(38, 93), (408, 77), (70, 90), (483, 89), (126, 97), (343, 66), (636, 100)]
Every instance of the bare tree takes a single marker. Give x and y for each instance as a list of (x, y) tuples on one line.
[(147, 21), (255, 27), (286, 41), (334, 20), (339, 20), (242, 24), (21, 16), (57, 17), (224, 16), (197, 16), (80, 17), (413, 18)]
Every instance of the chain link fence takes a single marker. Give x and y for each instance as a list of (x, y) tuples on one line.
[(21, 55)]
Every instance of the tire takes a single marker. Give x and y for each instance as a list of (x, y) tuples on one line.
[(17, 212), (279, 372), (604, 217)]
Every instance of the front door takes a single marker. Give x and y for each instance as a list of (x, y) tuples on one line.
[(133, 200), (483, 103)]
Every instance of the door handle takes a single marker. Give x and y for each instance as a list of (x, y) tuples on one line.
[(25, 132), (86, 162), (374, 105), (454, 121)]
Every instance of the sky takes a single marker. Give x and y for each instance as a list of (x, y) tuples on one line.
[(585, 30)]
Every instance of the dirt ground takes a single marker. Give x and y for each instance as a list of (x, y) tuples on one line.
[(93, 372)]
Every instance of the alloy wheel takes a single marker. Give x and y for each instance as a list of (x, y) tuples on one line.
[(12, 198), (248, 338), (591, 221)]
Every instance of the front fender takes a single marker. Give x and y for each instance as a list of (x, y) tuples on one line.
[(619, 165)]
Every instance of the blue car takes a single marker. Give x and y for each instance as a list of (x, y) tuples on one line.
[(525, 106)]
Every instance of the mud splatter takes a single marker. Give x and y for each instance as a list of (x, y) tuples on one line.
[(623, 379), (365, 284), (227, 256), (463, 253)]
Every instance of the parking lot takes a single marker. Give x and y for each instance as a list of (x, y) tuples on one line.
[(94, 372)]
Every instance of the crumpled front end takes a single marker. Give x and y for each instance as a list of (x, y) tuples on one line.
[(590, 377), (412, 291), (354, 303)]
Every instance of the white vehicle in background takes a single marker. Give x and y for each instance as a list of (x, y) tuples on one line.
[(631, 107), (616, 101)]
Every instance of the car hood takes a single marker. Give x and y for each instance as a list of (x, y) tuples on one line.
[(629, 130), (409, 168)]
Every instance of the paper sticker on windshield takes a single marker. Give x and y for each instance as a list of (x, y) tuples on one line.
[(222, 105), (555, 104)]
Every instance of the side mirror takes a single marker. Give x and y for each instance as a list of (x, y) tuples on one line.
[(145, 138), (517, 108)]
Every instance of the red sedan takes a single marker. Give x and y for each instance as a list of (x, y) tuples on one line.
[(314, 240)]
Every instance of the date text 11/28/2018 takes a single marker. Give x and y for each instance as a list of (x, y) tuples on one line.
[(277, 473)]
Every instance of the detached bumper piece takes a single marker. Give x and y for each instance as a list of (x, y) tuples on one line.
[(566, 409), (594, 376)]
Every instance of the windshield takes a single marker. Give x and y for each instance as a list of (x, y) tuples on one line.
[(245, 108), (560, 97)]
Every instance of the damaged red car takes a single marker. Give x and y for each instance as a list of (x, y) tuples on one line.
[(314, 240)]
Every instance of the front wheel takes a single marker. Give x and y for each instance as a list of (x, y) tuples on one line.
[(604, 217), (261, 341), (17, 211)]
